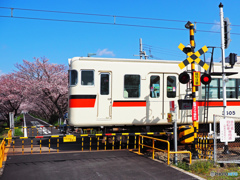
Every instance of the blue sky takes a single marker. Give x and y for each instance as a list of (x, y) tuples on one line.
[(57, 40)]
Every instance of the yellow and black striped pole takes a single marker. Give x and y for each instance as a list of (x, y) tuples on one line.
[(195, 120)]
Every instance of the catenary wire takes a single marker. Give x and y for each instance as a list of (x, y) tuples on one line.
[(104, 23), (91, 14)]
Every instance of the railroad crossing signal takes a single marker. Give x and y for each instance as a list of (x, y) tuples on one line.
[(193, 57), (206, 79)]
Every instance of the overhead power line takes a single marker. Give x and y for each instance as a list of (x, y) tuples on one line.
[(106, 15), (104, 23), (94, 22)]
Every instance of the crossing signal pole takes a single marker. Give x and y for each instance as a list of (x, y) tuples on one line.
[(184, 78), (190, 26)]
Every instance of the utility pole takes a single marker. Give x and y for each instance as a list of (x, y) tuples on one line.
[(223, 68), (141, 52), (140, 44)]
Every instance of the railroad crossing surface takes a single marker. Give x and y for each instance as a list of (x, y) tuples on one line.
[(89, 165), (72, 162)]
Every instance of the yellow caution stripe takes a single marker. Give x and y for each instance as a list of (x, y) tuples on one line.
[(55, 136), (23, 137)]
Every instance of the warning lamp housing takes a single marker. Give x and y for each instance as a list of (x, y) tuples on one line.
[(206, 79), (184, 77), (232, 59), (169, 117)]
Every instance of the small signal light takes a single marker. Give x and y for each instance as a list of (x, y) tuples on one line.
[(206, 79), (169, 117), (184, 77)]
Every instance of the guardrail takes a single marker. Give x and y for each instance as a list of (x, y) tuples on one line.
[(2, 151), (162, 150), (2, 147)]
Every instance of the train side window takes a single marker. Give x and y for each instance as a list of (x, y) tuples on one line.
[(154, 86), (230, 88), (73, 77), (171, 86), (213, 89), (238, 88), (131, 86), (104, 89), (87, 77)]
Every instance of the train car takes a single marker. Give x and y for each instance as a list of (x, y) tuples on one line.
[(132, 92)]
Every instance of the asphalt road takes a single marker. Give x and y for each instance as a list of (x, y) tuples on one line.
[(112, 165), (31, 121)]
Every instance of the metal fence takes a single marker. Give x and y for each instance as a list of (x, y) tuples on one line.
[(226, 152)]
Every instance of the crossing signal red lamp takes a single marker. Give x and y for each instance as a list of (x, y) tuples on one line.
[(206, 79), (184, 77)]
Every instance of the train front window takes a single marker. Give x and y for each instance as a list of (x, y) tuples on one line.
[(131, 86), (73, 77), (171, 86), (87, 77), (154, 86)]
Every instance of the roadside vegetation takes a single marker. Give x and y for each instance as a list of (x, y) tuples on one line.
[(208, 170), (3, 131)]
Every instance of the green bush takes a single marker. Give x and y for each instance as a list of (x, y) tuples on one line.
[(183, 165), (18, 132), (201, 166), (53, 119)]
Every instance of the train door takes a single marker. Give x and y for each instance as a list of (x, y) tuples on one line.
[(154, 100), (105, 97), (170, 91)]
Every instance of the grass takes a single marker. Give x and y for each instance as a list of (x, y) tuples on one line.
[(18, 132), (3, 131), (204, 169), (201, 166)]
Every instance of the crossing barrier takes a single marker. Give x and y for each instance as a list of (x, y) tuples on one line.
[(107, 141), (205, 147)]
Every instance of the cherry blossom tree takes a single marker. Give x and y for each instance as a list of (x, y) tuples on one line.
[(47, 87), (38, 87), (12, 94)]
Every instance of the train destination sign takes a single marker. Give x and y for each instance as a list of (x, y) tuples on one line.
[(193, 57)]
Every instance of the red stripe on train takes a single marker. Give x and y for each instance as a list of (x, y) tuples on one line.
[(82, 103), (219, 103), (129, 104)]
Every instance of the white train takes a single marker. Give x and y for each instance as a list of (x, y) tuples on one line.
[(134, 92)]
